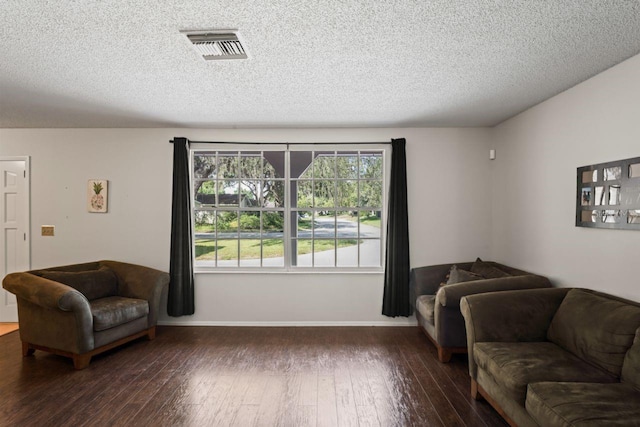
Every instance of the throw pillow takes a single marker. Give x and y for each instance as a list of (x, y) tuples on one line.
[(486, 270), (457, 275), (93, 284)]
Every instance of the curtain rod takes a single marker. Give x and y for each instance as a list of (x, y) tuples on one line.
[(286, 143)]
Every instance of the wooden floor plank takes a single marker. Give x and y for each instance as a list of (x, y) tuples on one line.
[(249, 376)]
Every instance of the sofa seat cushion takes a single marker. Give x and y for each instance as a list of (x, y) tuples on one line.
[(425, 305), (514, 365), (113, 311), (583, 404)]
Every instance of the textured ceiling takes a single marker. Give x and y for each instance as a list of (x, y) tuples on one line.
[(321, 63)]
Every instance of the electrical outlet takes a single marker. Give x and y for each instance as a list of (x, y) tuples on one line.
[(48, 230)]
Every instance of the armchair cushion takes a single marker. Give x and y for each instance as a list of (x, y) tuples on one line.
[(113, 311), (93, 284)]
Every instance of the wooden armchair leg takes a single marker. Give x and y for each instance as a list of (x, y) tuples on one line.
[(27, 350), (151, 333)]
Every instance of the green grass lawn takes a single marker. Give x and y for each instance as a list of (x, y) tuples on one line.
[(250, 248)]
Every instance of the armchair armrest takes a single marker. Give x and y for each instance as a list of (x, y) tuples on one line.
[(450, 295), (45, 293), (137, 281), (509, 316)]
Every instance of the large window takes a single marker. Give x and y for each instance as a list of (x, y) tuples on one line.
[(291, 208)]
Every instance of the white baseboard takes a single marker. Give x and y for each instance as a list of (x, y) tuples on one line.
[(408, 322)]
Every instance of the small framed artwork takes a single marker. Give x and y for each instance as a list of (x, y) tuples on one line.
[(97, 195)]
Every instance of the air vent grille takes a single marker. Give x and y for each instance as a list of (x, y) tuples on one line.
[(217, 45)]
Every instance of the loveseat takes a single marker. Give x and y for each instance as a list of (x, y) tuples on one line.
[(81, 310), (555, 357), (436, 291)]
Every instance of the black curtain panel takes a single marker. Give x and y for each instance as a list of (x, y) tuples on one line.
[(181, 288), (396, 273)]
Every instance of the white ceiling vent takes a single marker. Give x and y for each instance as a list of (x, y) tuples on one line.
[(217, 44)]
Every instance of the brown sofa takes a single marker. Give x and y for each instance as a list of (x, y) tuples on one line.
[(81, 310), (437, 307), (555, 357)]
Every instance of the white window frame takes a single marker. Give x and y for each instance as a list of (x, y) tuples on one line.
[(287, 149)]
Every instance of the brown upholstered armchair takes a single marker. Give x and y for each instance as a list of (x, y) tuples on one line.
[(437, 304), (81, 310)]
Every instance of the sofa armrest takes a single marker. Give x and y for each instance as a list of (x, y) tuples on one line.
[(509, 316), (426, 280), (45, 293), (137, 281), (450, 295)]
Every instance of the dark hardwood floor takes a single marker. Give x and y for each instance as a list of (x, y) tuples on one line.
[(217, 376)]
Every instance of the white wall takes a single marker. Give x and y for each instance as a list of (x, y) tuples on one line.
[(534, 183), (449, 203)]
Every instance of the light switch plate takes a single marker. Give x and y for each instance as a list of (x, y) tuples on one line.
[(48, 230)]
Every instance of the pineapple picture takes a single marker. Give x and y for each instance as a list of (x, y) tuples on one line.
[(97, 195)]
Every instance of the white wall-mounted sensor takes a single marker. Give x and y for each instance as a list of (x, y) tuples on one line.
[(492, 154)]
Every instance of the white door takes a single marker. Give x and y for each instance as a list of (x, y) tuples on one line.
[(14, 227)]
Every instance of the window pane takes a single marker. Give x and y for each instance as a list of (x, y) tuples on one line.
[(204, 165), (273, 194), (305, 224), (324, 165), (227, 222), (250, 193), (273, 222), (324, 194), (251, 164), (228, 193), (371, 165), (205, 193), (205, 249), (347, 165), (347, 253), (227, 252), (205, 222), (300, 162), (324, 253), (347, 194), (303, 193), (347, 224), (273, 252), (324, 225), (370, 253), (228, 165), (250, 252), (273, 164), (371, 194), (370, 224), (304, 249), (249, 225)]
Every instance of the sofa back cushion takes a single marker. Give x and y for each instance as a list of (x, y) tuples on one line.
[(631, 365), (597, 329), (93, 284)]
